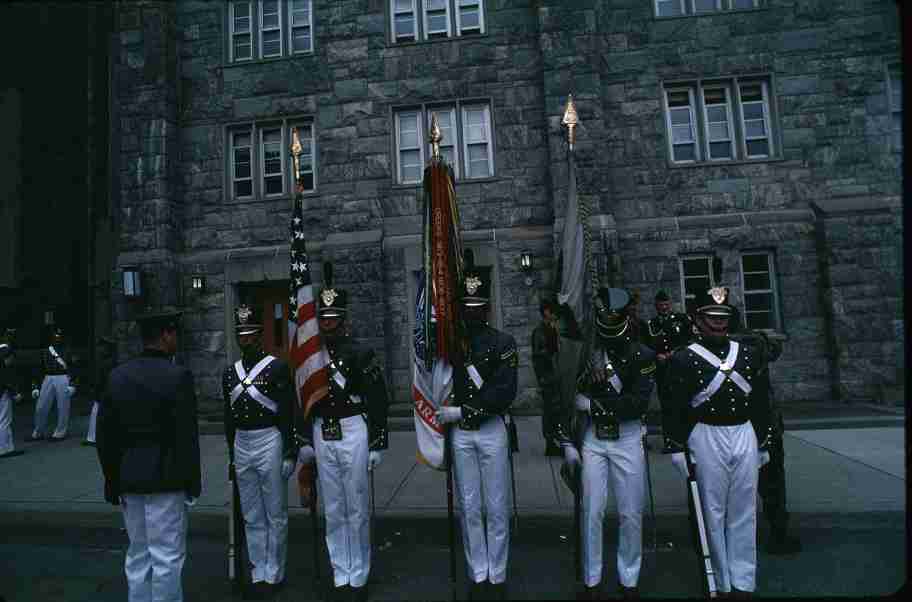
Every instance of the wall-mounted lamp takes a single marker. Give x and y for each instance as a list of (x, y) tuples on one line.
[(198, 284), (525, 264), (132, 285), (49, 317)]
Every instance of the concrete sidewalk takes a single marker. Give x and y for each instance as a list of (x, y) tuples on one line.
[(848, 469)]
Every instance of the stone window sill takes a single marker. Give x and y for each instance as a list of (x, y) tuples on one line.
[(734, 11), (410, 43), (272, 59), (723, 163), (458, 183)]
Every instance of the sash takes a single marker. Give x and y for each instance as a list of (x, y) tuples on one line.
[(340, 380), (59, 359), (614, 380), (726, 370), (246, 383)]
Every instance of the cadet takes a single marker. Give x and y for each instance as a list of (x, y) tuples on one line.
[(715, 413), (346, 431), (259, 426), (56, 387), (613, 393), (148, 445), (544, 361), (105, 363), (7, 393), (486, 387)]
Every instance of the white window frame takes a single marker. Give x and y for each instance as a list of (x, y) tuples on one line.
[(262, 155), (767, 122), (454, 129), (693, 124), (709, 274), (488, 142), (775, 316), (394, 13), (399, 149), (231, 23), (231, 165), (460, 30), (425, 9), (895, 108), (706, 123), (681, 8), (731, 6), (264, 30), (292, 27), (687, 8)]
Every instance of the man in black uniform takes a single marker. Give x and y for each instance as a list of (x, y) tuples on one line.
[(665, 333), (346, 432), (544, 361), (484, 389), (148, 445), (56, 386), (7, 393), (104, 365), (262, 450), (603, 432), (715, 414)]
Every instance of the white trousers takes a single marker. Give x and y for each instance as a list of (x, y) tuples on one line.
[(342, 470), (7, 444), (93, 422), (621, 465), (481, 471), (157, 526), (264, 500), (727, 474), (53, 388)]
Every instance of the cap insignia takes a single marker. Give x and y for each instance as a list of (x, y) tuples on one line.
[(472, 284), (244, 313), (328, 296), (718, 294)]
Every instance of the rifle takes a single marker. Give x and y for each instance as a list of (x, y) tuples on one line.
[(237, 538), (513, 445), (448, 453), (652, 508), (698, 525)]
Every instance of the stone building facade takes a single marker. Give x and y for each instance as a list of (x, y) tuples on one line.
[(762, 132)]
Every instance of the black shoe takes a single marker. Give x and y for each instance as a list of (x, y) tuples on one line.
[(629, 593), (477, 591), (12, 454), (589, 593), (359, 594), (31, 438), (737, 594), (56, 439), (342, 593), (87, 443), (497, 591)]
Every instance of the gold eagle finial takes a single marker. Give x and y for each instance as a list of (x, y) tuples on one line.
[(435, 137), (570, 120)]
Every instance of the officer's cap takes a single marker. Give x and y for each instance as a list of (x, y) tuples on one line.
[(247, 319), (476, 284), (662, 296), (332, 301), (610, 318), (713, 302)]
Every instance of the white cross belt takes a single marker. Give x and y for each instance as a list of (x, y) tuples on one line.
[(59, 359), (246, 383), (726, 370), (340, 380)]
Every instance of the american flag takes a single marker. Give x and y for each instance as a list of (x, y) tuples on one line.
[(306, 353)]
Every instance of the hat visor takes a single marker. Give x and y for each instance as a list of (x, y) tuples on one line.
[(249, 329), (331, 312), (474, 301), (718, 311)]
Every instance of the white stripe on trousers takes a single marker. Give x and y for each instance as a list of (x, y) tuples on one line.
[(7, 443), (622, 464), (727, 474), (342, 470), (53, 388), (264, 500), (481, 472), (157, 526)]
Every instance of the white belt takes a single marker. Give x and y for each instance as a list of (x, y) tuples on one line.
[(340, 380), (726, 370), (613, 379), (246, 383)]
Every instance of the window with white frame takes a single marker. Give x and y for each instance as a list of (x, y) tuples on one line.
[(701, 125), (467, 143), (758, 281), (412, 20), (677, 8), (696, 277), (260, 165), (262, 29), (894, 94)]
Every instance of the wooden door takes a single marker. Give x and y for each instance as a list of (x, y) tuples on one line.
[(273, 302)]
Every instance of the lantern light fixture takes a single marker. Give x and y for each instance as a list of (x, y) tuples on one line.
[(132, 284), (198, 283)]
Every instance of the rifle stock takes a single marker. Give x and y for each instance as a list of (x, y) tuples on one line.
[(698, 525), (238, 548)]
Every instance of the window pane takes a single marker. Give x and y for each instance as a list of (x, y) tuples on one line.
[(307, 180), (758, 319), (751, 92), (469, 18), (241, 9), (701, 6), (449, 154), (271, 43), (681, 133), (717, 113), (720, 150), (405, 25), (478, 161), (685, 152), (757, 262), (270, 13), (680, 116), (436, 4), (242, 46), (300, 39), (718, 131), (757, 148), (437, 23), (242, 139), (753, 110), (244, 188), (403, 6), (679, 98), (273, 184), (300, 12), (241, 24), (743, 3), (756, 281), (696, 267), (714, 96), (758, 301), (241, 170), (669, 8), (693, 286), (755, 129)]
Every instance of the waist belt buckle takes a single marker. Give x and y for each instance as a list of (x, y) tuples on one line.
[(332, 429), (607, 429), (470, 425)]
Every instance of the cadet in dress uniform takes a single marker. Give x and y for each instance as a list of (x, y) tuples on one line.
[(148, 445), (665, 333), (544, 361), (606, 424), (485, 389), (7, 393), (717, 416), (259, 426), (346, 432), (104, 365), (56, 386)]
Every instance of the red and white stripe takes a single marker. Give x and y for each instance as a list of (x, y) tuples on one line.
[(308, 357)]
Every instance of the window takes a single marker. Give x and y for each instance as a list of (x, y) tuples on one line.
[(274, 28), (894, 94), (676, 8), (696, 276), (759, 285), (467, 143), (709, 109), (412, 20), (260, 164)]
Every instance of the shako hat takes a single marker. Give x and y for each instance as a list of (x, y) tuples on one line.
[(713, 302), (476, 288), (247, 319), (332, 301), (610, 318)]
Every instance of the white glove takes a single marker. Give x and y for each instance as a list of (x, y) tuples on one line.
[(306, 454), (582, 403), (763, 458), (679, 462), (374, 459), (70, 390), (17, 398), (190, 502), (571, 457), (288, 467), (34, 393), (448, 414)]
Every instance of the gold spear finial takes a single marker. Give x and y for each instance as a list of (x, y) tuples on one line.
[(296, 151), (435, 137), (570, 120)]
